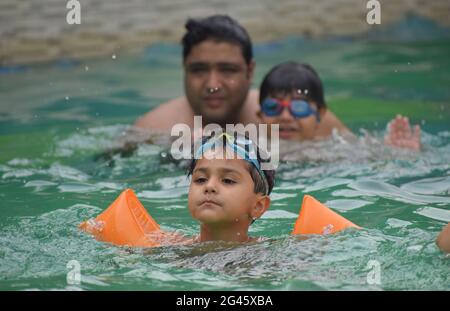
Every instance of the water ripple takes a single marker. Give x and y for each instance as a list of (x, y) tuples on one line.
[(369, 186)]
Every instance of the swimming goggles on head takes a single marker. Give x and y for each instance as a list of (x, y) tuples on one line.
[(299, 108), (240, 145)]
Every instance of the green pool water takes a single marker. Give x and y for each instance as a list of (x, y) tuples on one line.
[(55, 119)]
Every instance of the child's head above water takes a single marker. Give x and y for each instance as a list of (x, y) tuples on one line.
[(296, 87), (228, 190)]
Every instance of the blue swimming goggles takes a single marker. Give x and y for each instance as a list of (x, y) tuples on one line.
[(240, 145), (299, 108)]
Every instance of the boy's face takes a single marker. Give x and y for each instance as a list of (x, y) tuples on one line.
[(217, 80), (222, 192), (290, 127)]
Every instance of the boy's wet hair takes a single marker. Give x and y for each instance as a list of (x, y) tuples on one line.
[(292, 76), (254, 174), (221, 28)]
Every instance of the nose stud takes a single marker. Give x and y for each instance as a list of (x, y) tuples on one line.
[(212, 90)]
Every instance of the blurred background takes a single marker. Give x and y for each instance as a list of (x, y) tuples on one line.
[(37, 31), (67, 92)]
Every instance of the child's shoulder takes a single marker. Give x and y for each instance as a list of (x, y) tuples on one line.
[(330, 121)]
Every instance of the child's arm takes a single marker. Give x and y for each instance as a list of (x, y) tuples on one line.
[(399, 134), (443, 239)]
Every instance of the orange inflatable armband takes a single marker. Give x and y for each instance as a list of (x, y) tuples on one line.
[(316, 218), (124, 222)]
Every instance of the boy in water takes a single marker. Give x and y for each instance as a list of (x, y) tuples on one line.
[(298, 87), (229, 190)]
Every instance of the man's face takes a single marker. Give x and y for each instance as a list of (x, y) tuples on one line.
[(217, 80)]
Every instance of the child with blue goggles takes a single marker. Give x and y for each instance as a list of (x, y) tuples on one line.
[(229, 189), (291, 95)]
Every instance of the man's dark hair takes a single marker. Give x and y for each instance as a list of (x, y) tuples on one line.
[(257, 179), (219, 28), (291, 76)]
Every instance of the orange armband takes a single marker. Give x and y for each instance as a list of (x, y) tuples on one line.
[(316, 218)]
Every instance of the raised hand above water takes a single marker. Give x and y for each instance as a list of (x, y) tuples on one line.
[(400, 134)]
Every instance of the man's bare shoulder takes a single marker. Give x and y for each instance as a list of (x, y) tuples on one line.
[(253, 98), (166, 115), (248, 113)]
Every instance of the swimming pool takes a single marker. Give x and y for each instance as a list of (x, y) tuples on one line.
[(56, 119)]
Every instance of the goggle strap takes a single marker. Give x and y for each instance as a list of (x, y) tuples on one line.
[(248, 156)]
